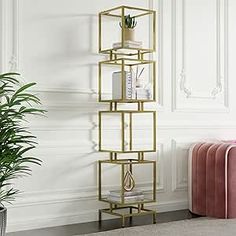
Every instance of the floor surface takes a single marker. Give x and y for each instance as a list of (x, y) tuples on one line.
[(93, 227)]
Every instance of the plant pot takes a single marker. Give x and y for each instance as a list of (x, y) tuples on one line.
[(128, 34), (3, 220)]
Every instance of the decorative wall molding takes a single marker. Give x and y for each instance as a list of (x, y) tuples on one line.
[(86, 126), (9, 35), (158, 6), (39, 198), (179, 165), (161, 183), (82, 216), (180, 83)]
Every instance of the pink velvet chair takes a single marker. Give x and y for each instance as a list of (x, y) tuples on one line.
[(212, 179)]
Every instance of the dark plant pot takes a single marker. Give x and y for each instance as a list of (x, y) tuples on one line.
[(3, 220)]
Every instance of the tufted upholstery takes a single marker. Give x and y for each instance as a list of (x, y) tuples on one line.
[(212, 179)]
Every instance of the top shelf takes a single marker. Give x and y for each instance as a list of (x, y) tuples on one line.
[(128, 31), (138, 12)]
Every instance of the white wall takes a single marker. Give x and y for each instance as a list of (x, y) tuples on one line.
[(55, 44)]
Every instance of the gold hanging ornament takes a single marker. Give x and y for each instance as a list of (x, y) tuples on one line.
[(129, 182)]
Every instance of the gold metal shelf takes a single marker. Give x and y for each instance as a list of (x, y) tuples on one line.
[(127, 100), (131, 163), (126, 51), (127, 161), (127, 58), (119, 14), (126, 124), (132, 211), (125, 64), (145, 200)]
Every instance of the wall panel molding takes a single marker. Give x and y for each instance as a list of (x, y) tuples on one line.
[(9, 35), (185, 97), (179, 165), (158, 6), (82, 216)]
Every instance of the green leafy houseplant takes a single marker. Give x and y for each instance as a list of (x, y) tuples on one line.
[(16, 103), (129, 25), (130, 22)]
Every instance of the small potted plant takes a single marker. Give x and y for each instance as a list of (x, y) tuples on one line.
[(130, 24), (16, 103)]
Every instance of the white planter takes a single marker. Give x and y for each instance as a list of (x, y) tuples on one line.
[(128, 34)]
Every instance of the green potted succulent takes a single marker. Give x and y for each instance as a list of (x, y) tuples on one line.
[(130, 24), (16, 103)]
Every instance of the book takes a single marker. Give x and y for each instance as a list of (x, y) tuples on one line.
[(117, 193), (128, 44), (126, 199), (117, 85)]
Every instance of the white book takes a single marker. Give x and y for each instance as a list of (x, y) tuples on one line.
[(128, 44), (117, 193), (117, 85), (126, 199)]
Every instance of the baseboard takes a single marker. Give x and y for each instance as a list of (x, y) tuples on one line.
[(52, 221), (82, 217)]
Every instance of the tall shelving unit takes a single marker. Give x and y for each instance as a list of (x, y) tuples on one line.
[(126, 59)]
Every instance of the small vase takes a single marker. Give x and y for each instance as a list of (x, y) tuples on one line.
[(3, 221), (128, 34)]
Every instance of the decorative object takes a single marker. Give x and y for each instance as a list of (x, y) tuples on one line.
[(126, 78), (129, 182), (129, 25), (16, 103), (127, 87)]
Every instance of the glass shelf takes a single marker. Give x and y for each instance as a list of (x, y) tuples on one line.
[(125, 51), (145, 200)]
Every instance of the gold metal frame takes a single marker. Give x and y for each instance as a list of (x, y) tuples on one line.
[(122, 62), (123, 163), (116, 57), (122, 116), (140, 212), (135, 51)]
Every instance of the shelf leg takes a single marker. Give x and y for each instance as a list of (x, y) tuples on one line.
[(154, 218), (123, 221), (131, 217), (99, 218)]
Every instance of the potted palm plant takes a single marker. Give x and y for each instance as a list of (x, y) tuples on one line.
[(16, 103)]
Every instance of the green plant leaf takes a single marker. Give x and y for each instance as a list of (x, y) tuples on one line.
[(16, 140)]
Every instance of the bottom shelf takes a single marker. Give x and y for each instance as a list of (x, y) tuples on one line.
[(127, 203), (123, 214)]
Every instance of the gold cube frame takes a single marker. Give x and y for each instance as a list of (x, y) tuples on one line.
[(123, 148), (124, 56), (119, 12), (121, 63), (131, 163)]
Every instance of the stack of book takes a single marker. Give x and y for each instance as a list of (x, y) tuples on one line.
[(128, 44), (117, 85), (131, 90), (132, 196)]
